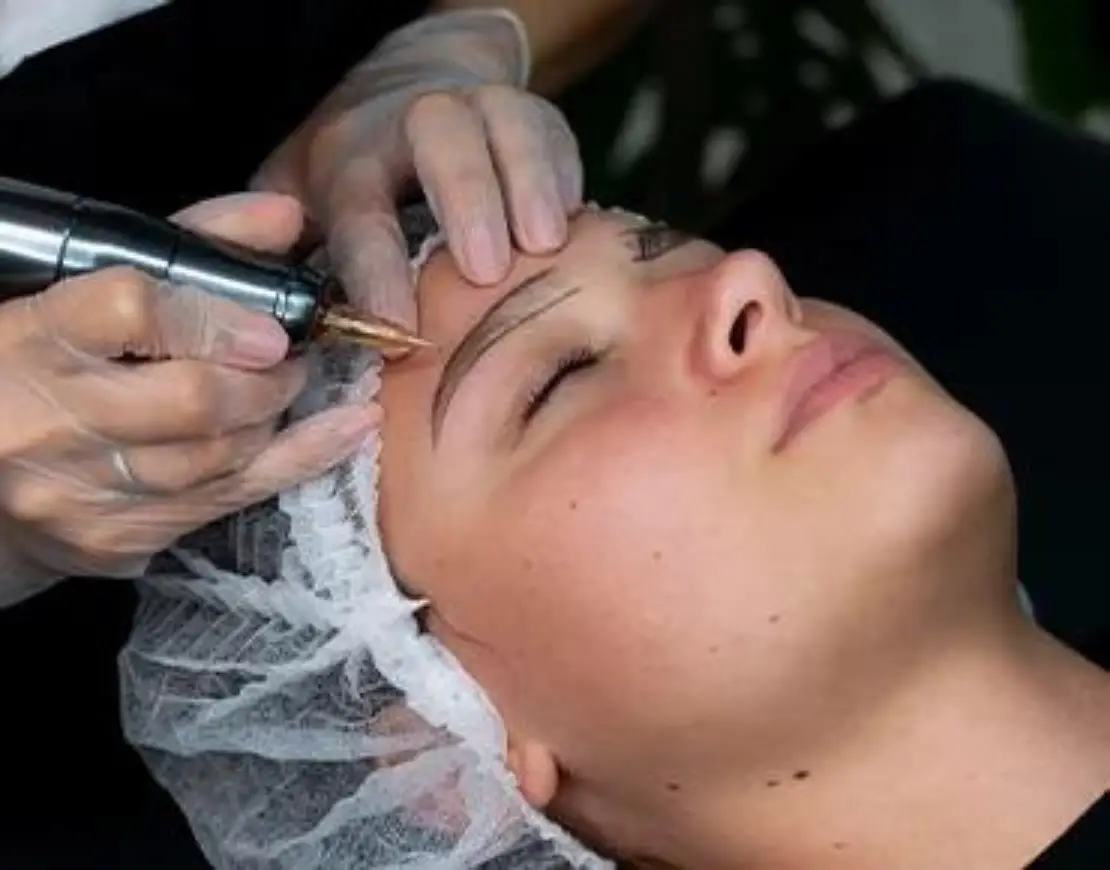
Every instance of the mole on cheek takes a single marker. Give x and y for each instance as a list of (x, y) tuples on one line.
[(673, 786), (774, 618), (801, 774), (573, 505)]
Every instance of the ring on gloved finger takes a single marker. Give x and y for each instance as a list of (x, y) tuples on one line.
[(129, 481)]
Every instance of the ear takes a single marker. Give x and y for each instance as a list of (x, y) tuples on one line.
[(535, 769)]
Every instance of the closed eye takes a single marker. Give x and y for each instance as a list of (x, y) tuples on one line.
[(569, 365)]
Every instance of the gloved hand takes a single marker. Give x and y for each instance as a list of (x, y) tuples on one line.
[(440, 102), (103, 463)]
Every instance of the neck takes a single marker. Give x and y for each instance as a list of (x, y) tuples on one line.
[(980, 764)]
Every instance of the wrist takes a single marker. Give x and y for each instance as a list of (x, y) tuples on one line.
[(20, 580), (481, 46)]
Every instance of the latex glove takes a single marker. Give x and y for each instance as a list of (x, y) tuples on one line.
[(105, 463), (440, 102)]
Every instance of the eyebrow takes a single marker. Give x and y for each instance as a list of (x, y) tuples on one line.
[(529, 299), (532, 297), (651, 241)]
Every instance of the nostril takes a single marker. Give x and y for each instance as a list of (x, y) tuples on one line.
[(746, 320)]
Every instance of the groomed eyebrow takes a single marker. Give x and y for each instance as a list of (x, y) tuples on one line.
[(526, 301), (529, 299), (651, 241)]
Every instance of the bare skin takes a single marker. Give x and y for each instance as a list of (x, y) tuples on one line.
[(712, 650)]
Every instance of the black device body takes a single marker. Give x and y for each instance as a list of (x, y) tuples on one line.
[(47, 236)]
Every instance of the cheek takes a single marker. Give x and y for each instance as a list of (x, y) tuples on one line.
[(614, 574), (656, 567)]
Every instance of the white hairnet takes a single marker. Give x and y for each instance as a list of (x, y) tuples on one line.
[(278, 685)]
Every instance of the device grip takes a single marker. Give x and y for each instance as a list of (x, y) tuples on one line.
[(34, 223), (47, 236), (289, 293)]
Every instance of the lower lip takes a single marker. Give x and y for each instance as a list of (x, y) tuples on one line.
[(857, 380)]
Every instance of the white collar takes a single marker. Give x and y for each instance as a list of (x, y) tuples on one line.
[(28, 27)]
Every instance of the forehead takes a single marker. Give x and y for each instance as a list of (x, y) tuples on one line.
[(449, 305)]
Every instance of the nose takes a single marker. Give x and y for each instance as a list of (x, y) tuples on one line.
[(747, 310)]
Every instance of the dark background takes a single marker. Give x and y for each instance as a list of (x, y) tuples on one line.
[(696, 57)]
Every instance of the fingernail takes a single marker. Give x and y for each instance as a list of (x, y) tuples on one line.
[(210, 209), (570, 188), (545, 225), (487, 253), (262, 343)]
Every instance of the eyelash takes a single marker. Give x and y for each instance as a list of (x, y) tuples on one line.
[(571, 363)]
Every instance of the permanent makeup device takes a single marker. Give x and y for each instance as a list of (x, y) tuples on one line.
[(47, 236)]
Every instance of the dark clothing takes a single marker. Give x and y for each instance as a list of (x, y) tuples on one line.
[(1085, 846), (175, 105), (185, 101)]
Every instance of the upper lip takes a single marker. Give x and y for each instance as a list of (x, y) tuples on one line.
[(815, 362)]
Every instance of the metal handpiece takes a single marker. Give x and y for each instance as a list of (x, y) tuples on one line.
[(47, 236)]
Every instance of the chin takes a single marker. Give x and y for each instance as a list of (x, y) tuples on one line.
[(940, 481)]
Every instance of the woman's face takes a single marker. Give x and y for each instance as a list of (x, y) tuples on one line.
[(651, 522)]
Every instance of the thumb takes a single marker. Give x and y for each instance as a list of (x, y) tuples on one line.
[(115, 311), (265, 221)]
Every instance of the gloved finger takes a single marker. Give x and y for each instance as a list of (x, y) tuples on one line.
[(517, 137), (281, 171), (564, 155), (116, 568), (367, 252), (455, 169), (119, 312), (304, 451), (178, 466), (265, 221), (177, 400)]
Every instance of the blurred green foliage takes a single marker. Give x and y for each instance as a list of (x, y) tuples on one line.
[(1066, 48)]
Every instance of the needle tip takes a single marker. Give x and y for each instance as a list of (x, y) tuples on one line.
[(375, 332)]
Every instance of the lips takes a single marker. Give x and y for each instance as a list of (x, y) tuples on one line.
[(832, 369)]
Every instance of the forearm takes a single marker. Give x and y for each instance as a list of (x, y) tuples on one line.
[(568, 38)]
